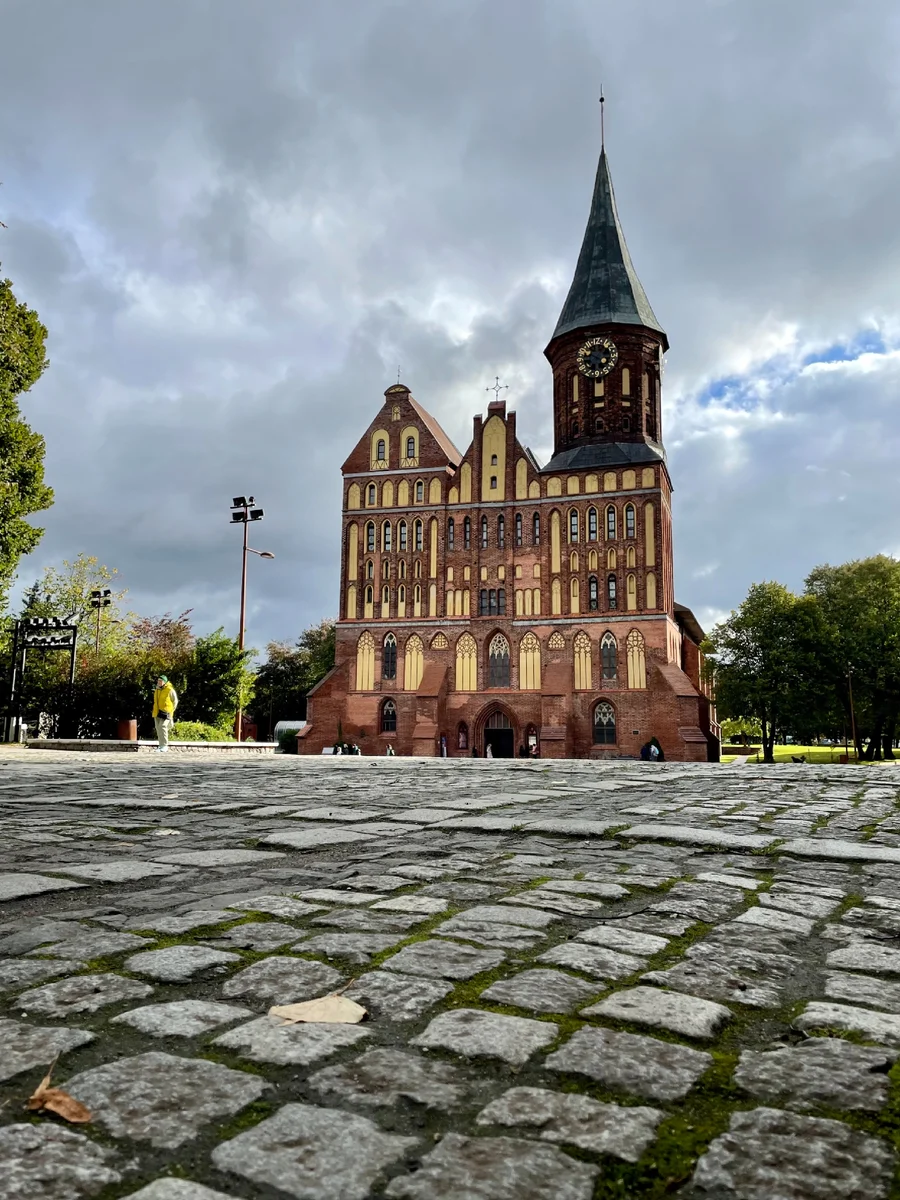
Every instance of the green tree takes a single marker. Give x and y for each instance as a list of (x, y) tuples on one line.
[(22, 487), (764, 659), (66, 593), (215, 680), (289, 673)]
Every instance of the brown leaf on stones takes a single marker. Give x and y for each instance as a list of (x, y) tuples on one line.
[(332, 1010), (52, 1099)]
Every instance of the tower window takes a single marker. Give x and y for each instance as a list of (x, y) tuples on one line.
[(467, 534), (483, 603), (501, 602), (370, 569), (604, 724), (501, 532), (401, 535), (611, 592), (492, 603), (386, 537), (451, 533), (420, 492), (389, 658), (493, 483), (608, 656), (626, 424), (518, 529), (498, 662), (484, 532), (593, 594), (629, 520), (418, 533), (576, 429), (611, 523), (536, 529), (410, 447), (370, 536), (380, 450), (592, 524), (371, 500), (573, 525), (493, 460), (389, 717)]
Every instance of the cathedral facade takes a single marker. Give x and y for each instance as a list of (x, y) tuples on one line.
[(489, 601)]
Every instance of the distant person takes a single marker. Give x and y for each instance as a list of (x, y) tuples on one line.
[(656, 751), (389, 753), (645, 752), (489, 751), (165, 701), (337, 748), (535, 752)]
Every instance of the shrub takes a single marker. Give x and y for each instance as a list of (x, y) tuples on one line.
[(197, 731), (287, 740)]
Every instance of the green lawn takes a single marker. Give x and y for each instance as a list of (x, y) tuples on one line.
[(814, 754)]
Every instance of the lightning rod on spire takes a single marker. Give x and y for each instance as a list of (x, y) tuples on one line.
[(602, 122)]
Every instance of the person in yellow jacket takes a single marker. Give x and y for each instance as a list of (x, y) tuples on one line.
[(165, 701)]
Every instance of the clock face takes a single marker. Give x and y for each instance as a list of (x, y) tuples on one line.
[(597, 357)]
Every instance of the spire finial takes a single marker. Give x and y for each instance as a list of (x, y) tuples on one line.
[(497, 388), (398, 374), (602, 123)]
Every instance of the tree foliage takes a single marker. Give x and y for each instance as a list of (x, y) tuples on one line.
[(289, 673), (22, 487)]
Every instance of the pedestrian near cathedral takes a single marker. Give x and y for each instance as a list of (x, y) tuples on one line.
[(165, 701)]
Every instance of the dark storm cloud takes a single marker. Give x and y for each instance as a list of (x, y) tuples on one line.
[(236, 219)]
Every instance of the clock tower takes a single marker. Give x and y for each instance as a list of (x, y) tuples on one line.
[(606, 352)]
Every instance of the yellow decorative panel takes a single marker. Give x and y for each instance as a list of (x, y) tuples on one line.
[(493, 443), (369, 602), (387, 494), (434, 492), (409, 440), (501, 572), (582, 649), (629, 479), (609, 481), (353, 554), (631, 593), (432, 600), (536, 571), (598, 387), (557, 641), (637, 668), (379, 462), (461, 610), (650, 587), (529, 664), (554, 542), (467, 572), (556, 598), (365, 663), (520, 603), (518, 570), (592, 560), (453, 498), (521, 479), (413, 664), (417, 599), (451, 607), (534, 490), (353, 496), (630, 557), (433, 547), (573, 561), (575, 389), (351, 602), (466, 602), (465, 484), (649, 535), (573, 485), (403, 494), (648, 478), (592, 483), (449, 574), (574, 596), (439, 642), (554, 486), (466, 664), (626, 382), (528, 602), (610, 560), (484, 574), (536, 607), (401, 601)]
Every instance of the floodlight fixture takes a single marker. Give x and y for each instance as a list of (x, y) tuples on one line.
[(256, 514)]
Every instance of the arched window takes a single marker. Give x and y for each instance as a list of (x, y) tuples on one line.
[(466, 664), (370, 569), (401, 601), (631, 593), (611, 592), (611, 523), (380, 450), (389, 658), (498, 662), (483, 603), (370, 536), (529, 664), (518, 529), (626, 382), (536, 529), (575, 429), (592, 524), (637, 667), (385, 601), (593, 594), (467, 534), (371, 496), (413, 661), (410, 447), (401, 536), (608, 653), (604, 724), (451, 534), (417, 569), (573, 524), (389, 717), (418, 535), (386, 537), (385, 569), (574, 596), (462, 736), (501, 532), (501, 602), (420, 491), (365, 662), (582, 648), (573, 561), (629, 521), (484, 532), (401, 569)]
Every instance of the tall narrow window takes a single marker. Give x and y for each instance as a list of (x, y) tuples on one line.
[(493, 482), (501, 532), (629, 521), (518, 529), (483, 603), (385, 601), (467, 534), (536, 529), (386, 537), (401, 569), (451, 534), (420, 492), (498, 662), (417, 568), (573, 525), (608, 653), (592, 524), (593, 594), (385, 568), (575, 429), (370, 536), (484, 532), (410, 447), (611, 592), (611, 533), (401, 535), (389, 658), (626, 424), (370, 569), (492, 603), (371, 495), (418, 533), (604, 724), (501, 602), (380, 450), (389, 717)]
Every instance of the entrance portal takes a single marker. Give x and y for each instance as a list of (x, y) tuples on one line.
[(498, 734)]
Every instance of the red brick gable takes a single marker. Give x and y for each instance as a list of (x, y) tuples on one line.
[(435, 447)]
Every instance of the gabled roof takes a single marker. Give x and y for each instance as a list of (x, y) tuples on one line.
[(442, 439), (606, 289), (604, 454)]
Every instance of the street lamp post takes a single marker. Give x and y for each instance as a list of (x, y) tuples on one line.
[(242, 513), (100, 599), (852, 713)]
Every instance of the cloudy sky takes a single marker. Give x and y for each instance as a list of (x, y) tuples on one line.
[(237, 218)]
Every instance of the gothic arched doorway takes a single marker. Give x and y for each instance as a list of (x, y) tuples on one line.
[(499, 735)]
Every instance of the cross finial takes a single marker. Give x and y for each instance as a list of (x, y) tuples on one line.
[(602, 123), (398, 374), (497, 388)]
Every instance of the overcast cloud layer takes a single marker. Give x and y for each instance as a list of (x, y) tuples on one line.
[(237, 218)]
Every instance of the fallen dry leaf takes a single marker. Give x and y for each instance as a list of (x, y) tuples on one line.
[(332, 1010), (50, 1099)]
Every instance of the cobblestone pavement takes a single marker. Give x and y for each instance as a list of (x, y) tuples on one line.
[(633, 980)]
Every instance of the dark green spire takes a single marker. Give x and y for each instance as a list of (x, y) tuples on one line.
[(606, 289)]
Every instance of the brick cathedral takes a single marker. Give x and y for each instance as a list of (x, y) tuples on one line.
[(487, 600)]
